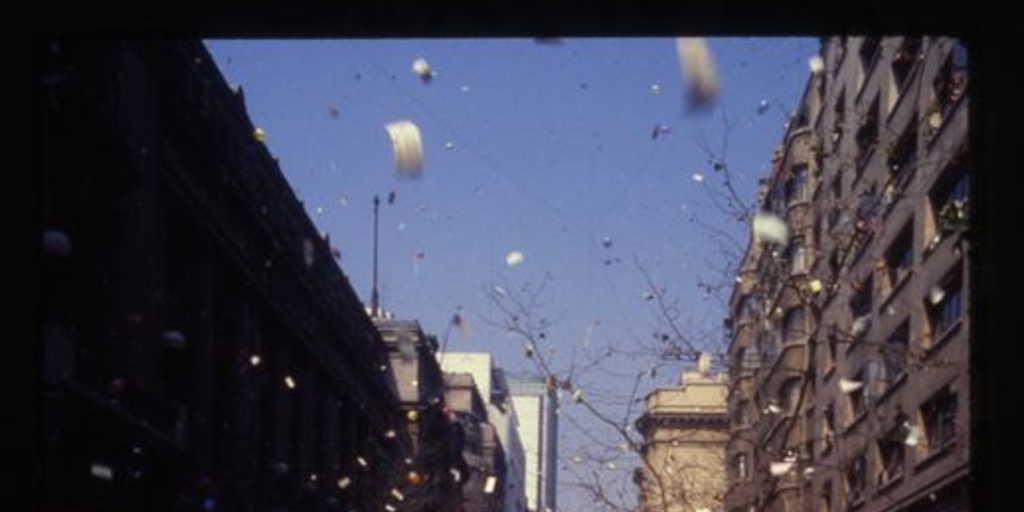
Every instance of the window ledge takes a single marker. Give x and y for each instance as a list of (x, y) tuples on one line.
[(890, 483), (895, 291), (944, 338), (935, 455), (890, 389)]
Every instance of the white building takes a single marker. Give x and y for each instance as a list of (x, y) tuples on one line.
[(538, 430), (501, 413)]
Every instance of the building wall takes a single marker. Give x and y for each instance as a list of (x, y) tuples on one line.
[(881, 288), (201, 347), (501, 414), (683, 457), (538, 431)]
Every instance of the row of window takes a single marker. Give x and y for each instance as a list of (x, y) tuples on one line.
[(928, 434)]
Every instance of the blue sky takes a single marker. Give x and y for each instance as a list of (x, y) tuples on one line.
[(542, 148)]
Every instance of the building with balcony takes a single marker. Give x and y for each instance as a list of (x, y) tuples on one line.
[(849, 357), (684, 430)]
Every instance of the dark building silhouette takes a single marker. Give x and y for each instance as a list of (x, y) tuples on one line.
[(202, 350)]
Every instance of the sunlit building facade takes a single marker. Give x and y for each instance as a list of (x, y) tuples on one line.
[(849, 356), (684, 429), (536, 408)]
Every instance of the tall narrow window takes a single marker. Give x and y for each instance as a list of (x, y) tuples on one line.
[(867, 135), (869, 50), (949, 85), (949, 203), (901, 162), (794, 325), (939, 416), (856, 479), (796, 185), (895, 353), (904, 62), (891, 449), (945, 304), (899, 259)]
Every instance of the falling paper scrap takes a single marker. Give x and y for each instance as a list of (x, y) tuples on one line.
[(698, 177), (660, 129), (770, 228), (449, 145), (391, 197), (607, 242), (817, 64), (259, 134), (655, 89), (422, 70), (698, 71), (935, 295), (849, 386), (514, 258), (407, 147), (780, 468), (490, 484), (762, 107)]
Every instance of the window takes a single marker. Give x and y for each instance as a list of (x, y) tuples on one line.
[(938, 416), (742, 418), (869, 49), (740, 467), (903, 64), (826, 497), (894, 353), (945, 304), (796, 185), (859, 397), (856, 479), (860, 302), (777, 198), (794, 327), (840, 117), (790, 394), (840, 52), (831, 346), (949, 86), (901, 162), (797, 256), (949, 201), (828, 428), (891, 450), (867, 135), (899, 259)]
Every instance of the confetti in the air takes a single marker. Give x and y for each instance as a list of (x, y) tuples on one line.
[(343, 200), (655, 89), (659, 130), (56, 243), (362, 462), (391, 197), (770, 228), (449, 146), (698, 177), (762, 107), (698, 69), (397, 494), (173, 339), (490, 484), (935, 295), (607, 242), (259, 135), (913, 434), (102, 471), (255, 360), (849, 386), (344, 482), (860, 326), (577, 395), (514, 258), (422, 70), (780, 468), (456, 475), (333, 112), (289, 381), (817, 64), (465, 88), (772, 409), (814, 286), (407, 147), (307, 252)]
